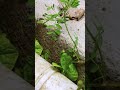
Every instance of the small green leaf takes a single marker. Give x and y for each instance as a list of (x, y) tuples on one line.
[(56, 65), (38, 47), (50, 32), (58, 26), (58, 32), (47, 54), (72, 72), (64, 1), (60, 20), (50, 27), (65, 61), (40, 21), (54, 15), (80, 84), (75, 3), (68, 66), (50, 7), (70, 3)]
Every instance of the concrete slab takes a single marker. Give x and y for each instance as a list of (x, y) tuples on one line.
[(11, 81)]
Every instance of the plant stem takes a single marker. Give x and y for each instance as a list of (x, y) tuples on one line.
[(70, 35)]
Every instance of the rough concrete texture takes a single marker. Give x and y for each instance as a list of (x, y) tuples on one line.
[(76, 29), (46, 78), (107, 11), (10, 81)]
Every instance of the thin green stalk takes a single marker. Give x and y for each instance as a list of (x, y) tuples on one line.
[(70, 35)]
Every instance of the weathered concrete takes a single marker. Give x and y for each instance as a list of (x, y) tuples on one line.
[(107, 12), (76, 28), (10, 81), (46, 78)]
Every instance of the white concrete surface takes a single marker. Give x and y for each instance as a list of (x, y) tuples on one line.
[(48, 79), (76, 28), (11, 81)]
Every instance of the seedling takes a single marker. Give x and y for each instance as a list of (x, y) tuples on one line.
[(67, 59)]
